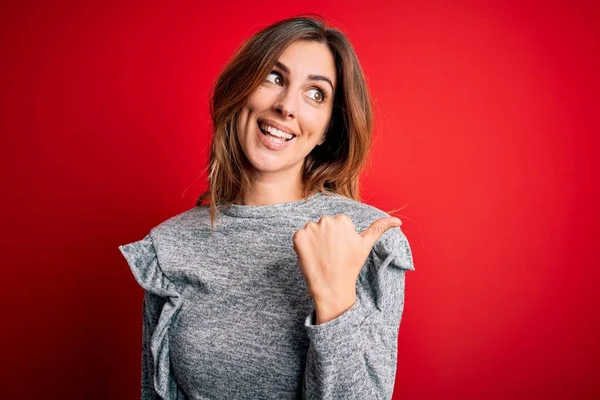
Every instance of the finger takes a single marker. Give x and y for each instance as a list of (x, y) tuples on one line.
[(378, 228)]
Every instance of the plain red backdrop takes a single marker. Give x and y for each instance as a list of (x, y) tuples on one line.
[(487, 129)]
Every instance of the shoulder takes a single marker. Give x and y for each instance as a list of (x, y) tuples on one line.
[(183, 225), (393, 241), (362, 214)]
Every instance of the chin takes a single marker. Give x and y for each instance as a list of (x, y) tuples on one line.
[(266, 166)]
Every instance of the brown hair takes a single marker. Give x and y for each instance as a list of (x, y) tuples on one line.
[(331, 168)]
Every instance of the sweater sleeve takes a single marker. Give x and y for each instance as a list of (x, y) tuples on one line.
[(161, 304), (354, 355), (151, 307)]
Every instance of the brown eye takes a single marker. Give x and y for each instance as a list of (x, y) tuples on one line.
[(277, 78), (319, 96)]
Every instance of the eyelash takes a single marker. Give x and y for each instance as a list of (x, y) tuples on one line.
[(324, 93)]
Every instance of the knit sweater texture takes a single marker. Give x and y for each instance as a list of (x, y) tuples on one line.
[(228, 315)]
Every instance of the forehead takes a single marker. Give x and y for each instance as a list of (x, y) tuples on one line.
[(305, 58)]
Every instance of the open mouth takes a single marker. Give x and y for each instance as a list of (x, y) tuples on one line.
[(267, 133)]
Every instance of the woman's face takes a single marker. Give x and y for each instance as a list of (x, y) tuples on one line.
[(297, 98)]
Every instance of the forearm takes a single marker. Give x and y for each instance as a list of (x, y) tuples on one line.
[(350, 357)]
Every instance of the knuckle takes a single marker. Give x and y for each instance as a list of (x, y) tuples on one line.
[(344, 217), (298, 235), (326, 219)]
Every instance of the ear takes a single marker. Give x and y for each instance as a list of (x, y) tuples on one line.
[(322, 140)]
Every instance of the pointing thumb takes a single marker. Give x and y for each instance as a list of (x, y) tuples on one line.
[(378, 228)]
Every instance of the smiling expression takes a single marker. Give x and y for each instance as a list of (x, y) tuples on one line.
[(295, 98)]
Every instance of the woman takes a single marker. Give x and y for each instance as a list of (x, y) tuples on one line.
[(284, 285)]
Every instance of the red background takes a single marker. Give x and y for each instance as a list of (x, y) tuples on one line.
[(487, 128)]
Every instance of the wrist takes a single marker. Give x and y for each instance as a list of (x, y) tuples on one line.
[(326, 310)]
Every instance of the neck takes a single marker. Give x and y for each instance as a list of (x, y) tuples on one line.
[(272, 189)]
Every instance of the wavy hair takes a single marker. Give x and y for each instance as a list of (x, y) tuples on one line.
[(331, 168)]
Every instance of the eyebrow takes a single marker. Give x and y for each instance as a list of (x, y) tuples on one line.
[(310, 77)]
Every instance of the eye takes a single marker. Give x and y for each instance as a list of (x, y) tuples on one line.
[(277, 76), (320, 95)]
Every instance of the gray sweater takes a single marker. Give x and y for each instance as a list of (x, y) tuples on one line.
[(230, 316)]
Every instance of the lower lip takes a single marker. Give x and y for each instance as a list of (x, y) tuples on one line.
[(271, 145)]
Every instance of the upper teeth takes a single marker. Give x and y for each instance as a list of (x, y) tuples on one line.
[(275, 131)]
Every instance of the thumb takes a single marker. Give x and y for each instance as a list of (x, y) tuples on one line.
[(378, 228)]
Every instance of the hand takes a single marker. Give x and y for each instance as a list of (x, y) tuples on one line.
[(330, 255)]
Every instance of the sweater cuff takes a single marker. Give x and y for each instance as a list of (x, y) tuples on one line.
[(339, 329)]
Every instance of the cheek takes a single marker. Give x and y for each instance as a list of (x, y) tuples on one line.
[(314, 122), (261, 99), (254, 105)]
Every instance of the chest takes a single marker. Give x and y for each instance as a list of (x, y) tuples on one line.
[(241, 325)]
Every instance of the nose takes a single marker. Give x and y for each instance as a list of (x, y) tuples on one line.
[(285, 105)]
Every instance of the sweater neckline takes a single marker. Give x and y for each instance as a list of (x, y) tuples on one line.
[(270, 210)]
